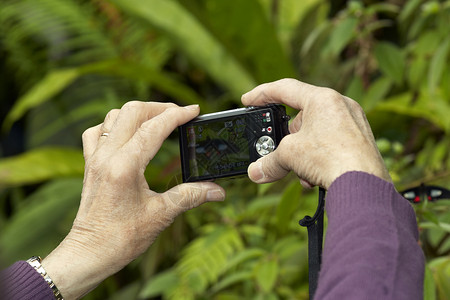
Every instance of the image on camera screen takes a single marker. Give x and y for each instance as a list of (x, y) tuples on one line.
[(219, 147)]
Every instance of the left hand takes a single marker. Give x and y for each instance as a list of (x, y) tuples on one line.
[(119, 216)]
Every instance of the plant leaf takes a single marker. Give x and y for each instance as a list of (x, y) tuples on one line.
[(435, 109), (27, 233), (206, 258), (231, 279), (437, 65), (57, 81), (160, 79), (440, 267), (376, 93), (390, 60), (48, 87), (266, 273), (429, 287), (341, 36), (288, 204), (39, 165), (159, 284), (242, 39), (440, 225), (193, 39)]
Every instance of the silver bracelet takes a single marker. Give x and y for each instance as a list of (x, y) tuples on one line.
[(35, 262)]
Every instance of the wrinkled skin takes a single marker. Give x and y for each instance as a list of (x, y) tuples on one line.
[(119, 215), (329, 136)]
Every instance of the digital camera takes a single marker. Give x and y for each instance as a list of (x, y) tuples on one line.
[(223, 144)]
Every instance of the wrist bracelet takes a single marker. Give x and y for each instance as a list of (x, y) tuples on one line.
[(35, 262)]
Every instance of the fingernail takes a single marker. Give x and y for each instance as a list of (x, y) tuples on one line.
[(255, 171), (192, 107), (215, 195)]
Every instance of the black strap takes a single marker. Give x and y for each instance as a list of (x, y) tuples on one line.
[(315, 238)]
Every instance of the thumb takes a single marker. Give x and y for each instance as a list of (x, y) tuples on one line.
[(267, 169), (189, 195)]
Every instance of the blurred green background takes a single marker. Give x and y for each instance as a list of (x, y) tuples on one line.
[(65, 64)]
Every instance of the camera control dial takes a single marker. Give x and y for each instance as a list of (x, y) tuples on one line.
[(265, 145)]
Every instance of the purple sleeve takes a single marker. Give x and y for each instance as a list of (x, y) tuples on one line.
[(371, 248), (21, 282)]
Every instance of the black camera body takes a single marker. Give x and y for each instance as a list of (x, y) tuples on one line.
[(223, 144)]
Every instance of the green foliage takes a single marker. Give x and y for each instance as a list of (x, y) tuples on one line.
[(40, 165), (45, 213), (65, 64)]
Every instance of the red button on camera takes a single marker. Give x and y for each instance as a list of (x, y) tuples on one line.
[(269, 129)]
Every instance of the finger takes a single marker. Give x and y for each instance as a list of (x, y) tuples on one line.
[(150, 136), (109, 121), (90, 140), (360, 117), (189, 195), (291, 92), (130, 118), (269, 168), (296, 123)]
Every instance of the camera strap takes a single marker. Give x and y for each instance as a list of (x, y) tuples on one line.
[(315, 240)]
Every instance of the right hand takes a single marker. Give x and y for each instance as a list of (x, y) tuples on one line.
[(329, 136)]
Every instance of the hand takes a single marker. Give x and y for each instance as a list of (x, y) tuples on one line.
[(119, 216), (329, 136)]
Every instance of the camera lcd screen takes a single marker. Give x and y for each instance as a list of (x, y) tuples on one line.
[(223, 144), (218, 147)]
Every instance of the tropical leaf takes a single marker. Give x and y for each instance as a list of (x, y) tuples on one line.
[(27, 234), (438, 63), (205, 259), (433, 109), (39, 165), (440, 268), (230, 25), (341, 35), (160, 284), (193, 39), (266, 273), (442, 226), (291, 13), (429, 288), (376, 93), (51, 85), (56, 81), (391, 61), (233, 278), (288, 204)]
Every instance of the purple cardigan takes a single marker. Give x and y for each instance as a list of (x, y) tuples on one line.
[(370, 252), (371, 247)]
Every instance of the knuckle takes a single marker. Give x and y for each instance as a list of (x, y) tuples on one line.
[(356, 106), (85, 135), (285, 143), (287, 148), (118, 175), (164, 118), (112, 114), (132, 105), (184, 197), (170, 105), (331, 96), (287, 81)]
